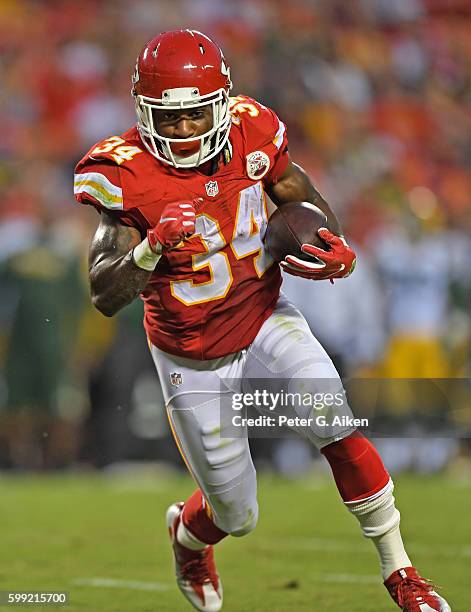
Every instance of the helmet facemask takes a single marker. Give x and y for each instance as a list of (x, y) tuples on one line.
[(210, 143)]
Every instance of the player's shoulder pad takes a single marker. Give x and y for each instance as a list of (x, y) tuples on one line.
[(100, 174), (119, 150), (259, 123)]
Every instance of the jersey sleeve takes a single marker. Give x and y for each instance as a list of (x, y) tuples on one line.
[(101, 183), (263, 131), (280, 155)]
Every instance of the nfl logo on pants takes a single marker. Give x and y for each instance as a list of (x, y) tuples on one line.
[(176, 379)]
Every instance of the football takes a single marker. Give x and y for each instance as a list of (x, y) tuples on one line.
[(292, 225)]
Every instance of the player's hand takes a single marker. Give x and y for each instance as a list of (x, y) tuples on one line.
[(176, 223), (338, 262)]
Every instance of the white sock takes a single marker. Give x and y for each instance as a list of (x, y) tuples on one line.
[(391, 551), (187, 539), (379, 520)]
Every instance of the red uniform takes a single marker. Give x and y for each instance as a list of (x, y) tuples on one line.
[(209, 297)]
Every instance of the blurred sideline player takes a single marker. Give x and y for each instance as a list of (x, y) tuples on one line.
[(182, 204)]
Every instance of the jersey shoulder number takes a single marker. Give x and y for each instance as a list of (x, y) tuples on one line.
[(257, 122), (239, 105), (115, 148), (99, 175)]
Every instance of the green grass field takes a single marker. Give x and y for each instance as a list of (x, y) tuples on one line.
[(103, 540)]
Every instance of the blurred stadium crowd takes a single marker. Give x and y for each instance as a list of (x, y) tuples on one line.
[(377, 98)]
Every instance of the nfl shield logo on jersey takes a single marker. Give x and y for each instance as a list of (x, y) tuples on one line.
[(258, 164), (212, 189), (176, 379)]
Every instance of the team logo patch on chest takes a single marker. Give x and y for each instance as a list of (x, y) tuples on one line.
[(212, 188), (258, 164), (176, 379)]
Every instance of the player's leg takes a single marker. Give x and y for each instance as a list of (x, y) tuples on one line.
[(367, 491), (221, 466), (285, 349), (225, 501), (359, 472)]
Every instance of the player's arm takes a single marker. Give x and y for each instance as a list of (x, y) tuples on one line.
[(339, 261), (115, 279), (120, 263), (294, 185)]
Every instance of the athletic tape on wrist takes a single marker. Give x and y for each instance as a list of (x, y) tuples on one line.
[(144, 257)]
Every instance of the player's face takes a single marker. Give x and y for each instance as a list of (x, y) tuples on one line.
[(184, 123)]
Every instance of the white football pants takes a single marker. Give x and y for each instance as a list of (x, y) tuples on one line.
[(284, 349)]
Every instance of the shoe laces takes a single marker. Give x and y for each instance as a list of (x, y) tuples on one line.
[(196, 570), (412, 587)]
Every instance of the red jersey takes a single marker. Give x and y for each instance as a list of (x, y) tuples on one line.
[(209, 297)]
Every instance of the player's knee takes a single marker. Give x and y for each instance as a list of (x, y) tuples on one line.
[(248, 525), (237, 521)]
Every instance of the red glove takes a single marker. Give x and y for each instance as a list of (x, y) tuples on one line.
[(338, 262), (176, 223)]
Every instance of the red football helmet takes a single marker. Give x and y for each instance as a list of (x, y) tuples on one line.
[(178, 70)]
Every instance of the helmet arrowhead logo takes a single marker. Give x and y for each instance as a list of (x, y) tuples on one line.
[(135, 76)]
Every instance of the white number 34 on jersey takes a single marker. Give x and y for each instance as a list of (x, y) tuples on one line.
[(250, 223)]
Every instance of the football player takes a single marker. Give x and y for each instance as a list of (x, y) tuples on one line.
[(183, 212)]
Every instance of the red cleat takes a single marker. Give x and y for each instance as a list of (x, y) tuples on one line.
[(196, 572), (412, 593)]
